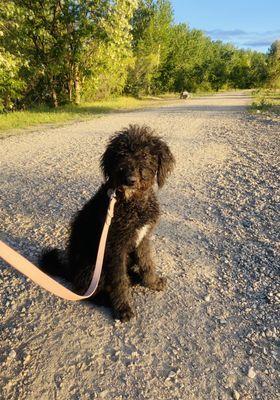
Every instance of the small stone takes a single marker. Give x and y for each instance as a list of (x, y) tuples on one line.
[(12, 354), (251, 373), (9, 385), (235, 395), (103, 394), (207, 298), (171, 375), (27, 359)]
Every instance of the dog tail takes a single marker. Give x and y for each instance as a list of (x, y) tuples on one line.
[(52, 262)]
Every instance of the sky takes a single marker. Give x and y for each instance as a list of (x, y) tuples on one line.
[(252, 24)]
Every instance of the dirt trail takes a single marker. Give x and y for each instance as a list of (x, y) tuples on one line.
[(213, 334)]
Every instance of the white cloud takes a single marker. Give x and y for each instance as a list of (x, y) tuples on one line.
[(257, 40)]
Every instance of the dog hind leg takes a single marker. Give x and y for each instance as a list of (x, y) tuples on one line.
[(53, 262)]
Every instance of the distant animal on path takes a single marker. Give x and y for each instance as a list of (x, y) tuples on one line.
[(185, 95), (134, 161)]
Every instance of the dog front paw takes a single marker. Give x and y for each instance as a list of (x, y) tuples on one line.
[(158, 283), (125, 313)]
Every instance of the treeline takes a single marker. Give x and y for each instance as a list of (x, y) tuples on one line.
[(61, 51)]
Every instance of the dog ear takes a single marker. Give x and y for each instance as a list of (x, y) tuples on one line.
[(166, 161), (107, 161)]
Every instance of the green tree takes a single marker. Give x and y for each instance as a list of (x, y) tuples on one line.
[(259, 69), (189, 61), (274, 65), (106, 72), (11, 85), (57, 51), (65, 42), (151, 38), (220, 66)]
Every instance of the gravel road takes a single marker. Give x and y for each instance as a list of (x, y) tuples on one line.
[(213, 334)]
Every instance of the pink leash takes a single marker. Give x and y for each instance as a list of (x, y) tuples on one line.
[(45, 281)]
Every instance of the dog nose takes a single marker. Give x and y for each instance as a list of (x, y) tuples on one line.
[(130, 180)]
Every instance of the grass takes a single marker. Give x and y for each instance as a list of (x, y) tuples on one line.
[(266, 101), (19, 120), (16, 121)]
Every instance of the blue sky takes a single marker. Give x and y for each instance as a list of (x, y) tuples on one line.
[(253, 24)]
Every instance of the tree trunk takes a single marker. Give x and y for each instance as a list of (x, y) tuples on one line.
[(53, 93), (7, 101), (54, 97), (70, 90), (77, 86), (77, 91)]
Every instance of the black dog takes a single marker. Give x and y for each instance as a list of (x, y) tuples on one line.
[(134, 160)]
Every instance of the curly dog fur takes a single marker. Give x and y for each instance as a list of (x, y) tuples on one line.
[(134, 160)]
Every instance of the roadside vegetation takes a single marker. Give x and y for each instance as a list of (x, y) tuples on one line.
[(265, 100), (45, 114), (62, 54)]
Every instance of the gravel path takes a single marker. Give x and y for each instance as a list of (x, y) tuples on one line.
[(213, 334)]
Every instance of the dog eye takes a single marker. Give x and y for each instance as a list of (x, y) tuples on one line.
[(145, 174)]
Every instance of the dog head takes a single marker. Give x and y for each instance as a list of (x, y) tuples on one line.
[(134, 158)]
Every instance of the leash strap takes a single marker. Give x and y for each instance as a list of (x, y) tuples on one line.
[(45, 281)]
